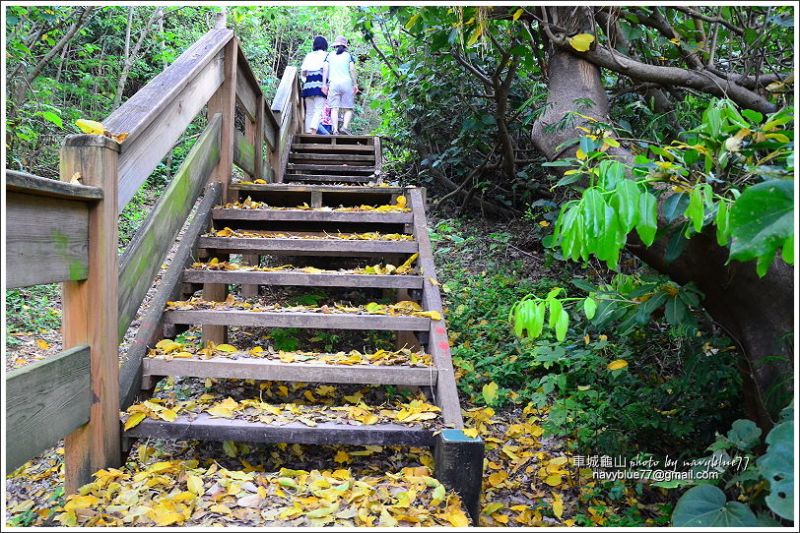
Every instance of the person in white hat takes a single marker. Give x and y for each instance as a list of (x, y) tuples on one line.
[(339, 83)]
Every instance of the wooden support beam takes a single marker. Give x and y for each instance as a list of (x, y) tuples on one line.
[(248, 290), (90, 311), (459, 466), (224, 101)]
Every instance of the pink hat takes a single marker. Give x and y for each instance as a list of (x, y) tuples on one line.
[(340, 40)]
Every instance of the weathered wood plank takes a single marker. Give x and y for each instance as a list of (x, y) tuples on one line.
[(289, 178), (47, 240), (45, 401), (157, 115), (30, 184), (246, 95), (332, 169), (269, 125), (261, 166), (307, 245), (150, 327), (327, 189), (438, 345), (244, 154), (337, 139), (153, 99), (224, 367), (206, 428), (334, 149), (303, 215), (378, 155), (224, 101), (302, 279), (298, 320), (143, 256), (334, 158), (90, 311), (284, 91)]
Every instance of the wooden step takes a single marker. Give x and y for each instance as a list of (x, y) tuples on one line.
[(319, 247), (328, 189), (333, 159), (335, 139), (259, 369), (204, 427), (306, 215), (322, 178), (271, 319), (334, 148), (302, 279), (331, 169)]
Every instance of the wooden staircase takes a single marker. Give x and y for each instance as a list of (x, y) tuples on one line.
[(325, 175), (345, 159)]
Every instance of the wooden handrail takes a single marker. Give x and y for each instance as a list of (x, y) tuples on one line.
[(157, 115)]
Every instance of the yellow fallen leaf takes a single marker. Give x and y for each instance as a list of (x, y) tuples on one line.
[(581, 42), (76, 179), (227, 348), (42, 344), (558, 505), (433, 315), (259, 181), (553, 480), (401, 201), (618, 364), (471, 433), (168, 414), (195, 484), (90, 126), (134, 420)]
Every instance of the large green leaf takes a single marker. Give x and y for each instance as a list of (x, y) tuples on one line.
[(626, 201), (761, 222), (648, 218), (744, 434), (706, 506), (777, 466)]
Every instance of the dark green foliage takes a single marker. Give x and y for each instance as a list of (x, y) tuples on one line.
[(667, 400)]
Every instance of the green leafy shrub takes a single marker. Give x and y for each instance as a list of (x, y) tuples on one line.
[(707, 505)]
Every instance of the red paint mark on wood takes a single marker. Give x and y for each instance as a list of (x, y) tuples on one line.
[(440, 330), (443, 345)]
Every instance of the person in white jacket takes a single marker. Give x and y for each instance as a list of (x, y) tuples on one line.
[(339, 83), (311, 71)]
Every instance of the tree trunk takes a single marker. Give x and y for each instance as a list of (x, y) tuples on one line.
[(756, 312)]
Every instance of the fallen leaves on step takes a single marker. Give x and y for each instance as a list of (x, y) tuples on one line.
[(378, 269), (249, 203), (233, 303), (278, 404), (167, 349), (369, 236)]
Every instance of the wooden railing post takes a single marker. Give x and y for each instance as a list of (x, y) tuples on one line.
[(90, 311), (224, 102)]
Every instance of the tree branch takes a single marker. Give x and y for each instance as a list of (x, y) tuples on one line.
[(704, 81)]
